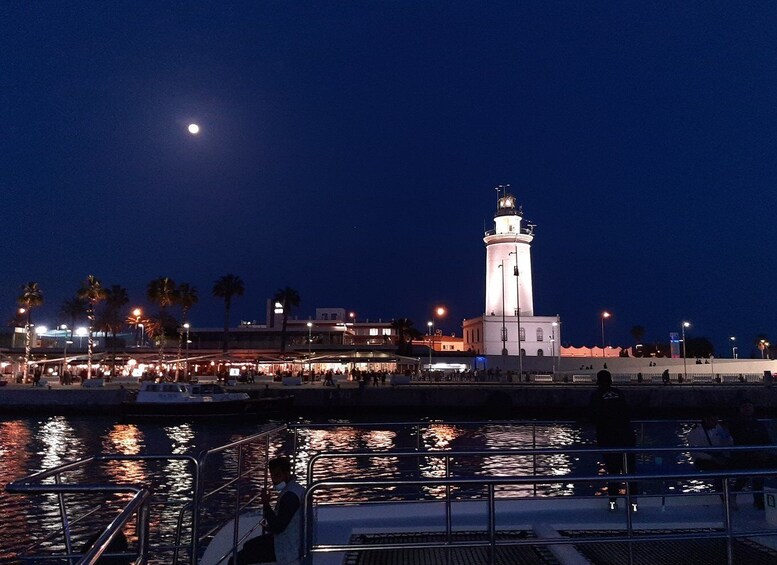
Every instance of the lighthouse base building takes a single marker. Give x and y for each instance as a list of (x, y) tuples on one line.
[(508, 326)]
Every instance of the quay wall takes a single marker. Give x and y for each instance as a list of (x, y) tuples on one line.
[(528, 400)]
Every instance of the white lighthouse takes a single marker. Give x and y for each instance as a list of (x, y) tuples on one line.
[(508, 262), (508, 326)]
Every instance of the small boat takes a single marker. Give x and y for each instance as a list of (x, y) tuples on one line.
[(184, 399)]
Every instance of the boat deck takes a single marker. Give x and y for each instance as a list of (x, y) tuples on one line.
[(543, 531), (693, 552)]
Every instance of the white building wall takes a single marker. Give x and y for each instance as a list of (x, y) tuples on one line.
[(533, 347), (498, 253)]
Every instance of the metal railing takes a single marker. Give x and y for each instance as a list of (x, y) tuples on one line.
[(201, 497), (139, 503), (312, 548)]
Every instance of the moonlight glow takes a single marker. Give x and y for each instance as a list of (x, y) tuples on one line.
[(194, 129)]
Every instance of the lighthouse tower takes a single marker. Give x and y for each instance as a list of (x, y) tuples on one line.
[(508, 327), (508, 262)]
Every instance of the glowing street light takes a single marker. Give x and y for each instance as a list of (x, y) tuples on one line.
[(605, 315), (40, 330), (685, 363), (137, 313), (733, 340), (186, 326), (310, 340), (81, 333)]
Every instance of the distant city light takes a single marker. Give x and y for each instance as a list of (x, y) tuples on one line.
[(81, 332), (40, 330)]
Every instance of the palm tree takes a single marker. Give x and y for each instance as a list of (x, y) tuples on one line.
[(116, 297), (762, 343), (186, 297), (227, 287), (162, 292), (159, 326), (406, 333), (30, 297), (289, 299), (91, 292), (73, 310)]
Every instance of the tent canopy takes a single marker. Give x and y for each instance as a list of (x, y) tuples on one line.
[(362, 357)]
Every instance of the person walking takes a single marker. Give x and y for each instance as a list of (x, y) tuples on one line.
[(610, 415)]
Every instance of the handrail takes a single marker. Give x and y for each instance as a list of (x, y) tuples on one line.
[(727, 533), (32, 484), (200, 496)]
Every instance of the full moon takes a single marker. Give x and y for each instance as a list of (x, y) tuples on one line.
[(194, 129)]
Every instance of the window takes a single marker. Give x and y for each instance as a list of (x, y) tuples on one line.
[(539, 353), (334, 317), (523, 334), (373, 331), (386, 331), (324, 316), (539, 334)]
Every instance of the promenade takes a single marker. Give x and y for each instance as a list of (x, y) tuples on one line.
[(421, 399)]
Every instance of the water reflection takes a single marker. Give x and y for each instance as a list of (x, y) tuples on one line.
[(30, 444)]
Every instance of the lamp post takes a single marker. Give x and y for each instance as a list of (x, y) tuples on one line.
[(553, 326), (504, 328), (429, 330), (605, 315), (685, 363), (439, 312), (137, 312), (310, 340), (27, 341), (518, 310), (186, 326), (733, 340)]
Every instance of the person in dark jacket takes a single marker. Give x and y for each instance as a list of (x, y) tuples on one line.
[(610, 415), (746, 429)]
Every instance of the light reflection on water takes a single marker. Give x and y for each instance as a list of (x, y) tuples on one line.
[(31, 444)]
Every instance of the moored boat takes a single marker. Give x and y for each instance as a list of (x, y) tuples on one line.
[(185, 399)]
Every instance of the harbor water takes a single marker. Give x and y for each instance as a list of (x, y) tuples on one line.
[(32, 444)]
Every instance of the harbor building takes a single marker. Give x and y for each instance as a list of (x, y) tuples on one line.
[(508, 324)]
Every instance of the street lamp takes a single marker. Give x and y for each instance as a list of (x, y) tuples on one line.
[(186, 326), (685, 363), (553, 326), (733, 347), (429, 329), (27, 342), (605, 315), (81, 332), (518, 310), (64, 360), (310, 340), (137, 312), (504, 328)]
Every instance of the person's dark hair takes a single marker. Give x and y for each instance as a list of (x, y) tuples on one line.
[(603, 378), (281, 463)]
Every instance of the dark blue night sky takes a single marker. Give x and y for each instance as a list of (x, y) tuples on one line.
[(350, 150)]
